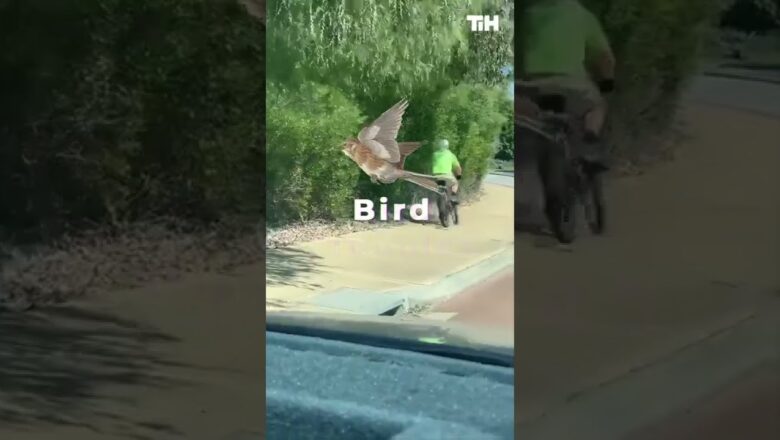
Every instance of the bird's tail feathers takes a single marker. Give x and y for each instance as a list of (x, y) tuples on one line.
[(424, 180)]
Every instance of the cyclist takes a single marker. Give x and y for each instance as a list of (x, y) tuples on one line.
[(567, 52), (446, 166)]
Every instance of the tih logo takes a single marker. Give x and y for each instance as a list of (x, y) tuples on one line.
[(481, 23)]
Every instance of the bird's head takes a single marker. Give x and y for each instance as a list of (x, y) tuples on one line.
[(348, 147)]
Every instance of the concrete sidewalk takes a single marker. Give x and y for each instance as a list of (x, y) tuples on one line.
[(372, 271), (766, 71)]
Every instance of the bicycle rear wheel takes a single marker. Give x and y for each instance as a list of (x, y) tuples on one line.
[(562, 214), (455, 213), (444, 209), (560, 197)]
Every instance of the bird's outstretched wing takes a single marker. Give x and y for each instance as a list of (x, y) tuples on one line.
[(380, 135)]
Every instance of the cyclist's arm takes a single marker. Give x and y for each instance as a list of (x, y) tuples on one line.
[(598, 49), (456, 166)]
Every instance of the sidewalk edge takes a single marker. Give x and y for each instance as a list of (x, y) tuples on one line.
[(741, 77), (457, 282)]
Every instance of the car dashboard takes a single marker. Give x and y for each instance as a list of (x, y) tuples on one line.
[(323, 389)]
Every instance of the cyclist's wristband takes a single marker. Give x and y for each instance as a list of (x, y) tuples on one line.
[(607, 85)]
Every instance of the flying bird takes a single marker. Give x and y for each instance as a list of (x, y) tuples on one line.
[(380, 156)]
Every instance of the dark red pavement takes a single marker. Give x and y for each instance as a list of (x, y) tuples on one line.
[(489, 304)]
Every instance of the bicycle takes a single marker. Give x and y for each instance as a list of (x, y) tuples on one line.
[(568, 180), (447, 208)]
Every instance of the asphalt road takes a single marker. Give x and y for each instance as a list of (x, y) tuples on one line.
[(745, 409)]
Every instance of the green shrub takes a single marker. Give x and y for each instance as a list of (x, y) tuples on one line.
[(471, 117), (658, 45), (506, 143), (124, 109), (307, 175), (752, 15), (371, 47)]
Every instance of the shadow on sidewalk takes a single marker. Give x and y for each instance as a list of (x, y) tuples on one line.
[(528, 220), (529, 215), (285, 266), (55, 363)]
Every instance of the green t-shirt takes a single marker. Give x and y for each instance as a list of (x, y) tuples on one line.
[(443, 162), (559, 34)]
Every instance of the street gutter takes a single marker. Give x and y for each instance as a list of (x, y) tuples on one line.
[(362, 302)]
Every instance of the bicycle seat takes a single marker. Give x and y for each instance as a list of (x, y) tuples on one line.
[(552, 102), (527, 90)]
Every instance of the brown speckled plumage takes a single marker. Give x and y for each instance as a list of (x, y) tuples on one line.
[(379, 155)]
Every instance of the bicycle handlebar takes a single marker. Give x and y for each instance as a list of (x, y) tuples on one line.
[(535, 126)]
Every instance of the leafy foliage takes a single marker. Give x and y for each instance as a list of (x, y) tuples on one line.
[(506, 138), (307, 176), (752, 15), (123, 109), (472, 122), (658, 45), (368, 46)]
